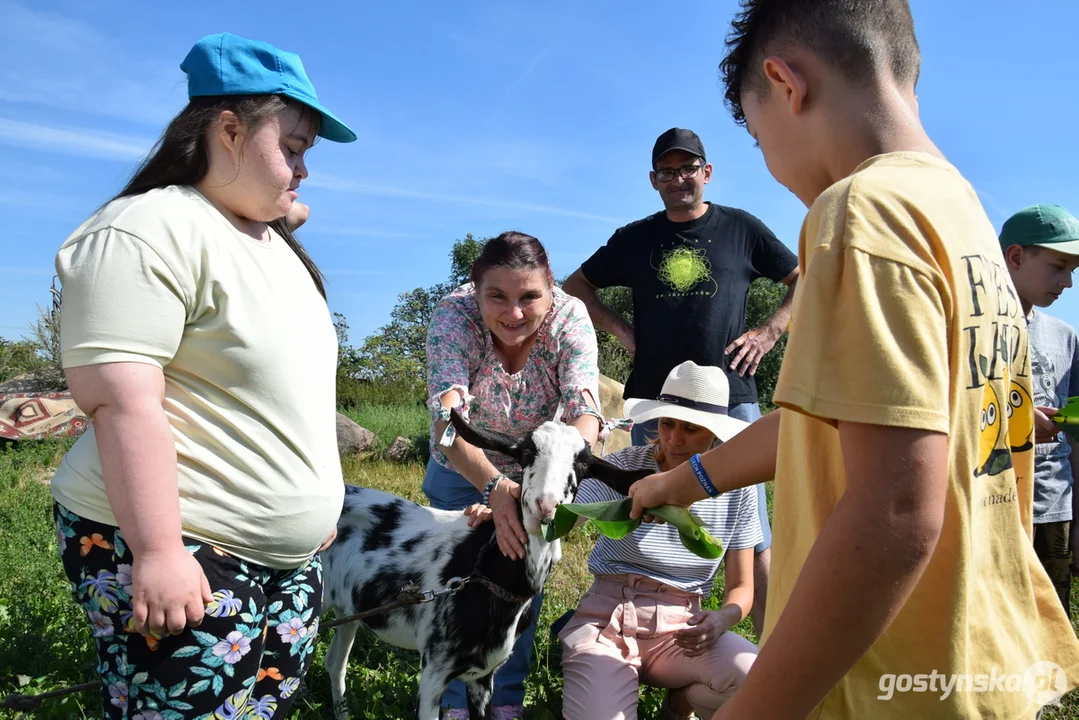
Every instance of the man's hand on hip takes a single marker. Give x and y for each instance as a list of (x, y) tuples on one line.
[(752, 346)]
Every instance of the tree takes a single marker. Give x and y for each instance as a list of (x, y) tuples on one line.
[(18, 357), (614, 360), (462, 257), (397, 352), (40, 352), (348, 359), (764, 297)]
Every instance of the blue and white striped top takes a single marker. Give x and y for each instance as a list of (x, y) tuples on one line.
[(654, 550)]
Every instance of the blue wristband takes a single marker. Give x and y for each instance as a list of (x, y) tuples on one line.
[(489, 487), (702, 476)]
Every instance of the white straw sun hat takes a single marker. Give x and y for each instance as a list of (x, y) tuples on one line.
[(696, 394)]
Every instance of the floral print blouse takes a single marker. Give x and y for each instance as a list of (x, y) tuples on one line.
[(561, 365)]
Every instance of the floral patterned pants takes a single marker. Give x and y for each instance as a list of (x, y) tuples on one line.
[(245, 660)]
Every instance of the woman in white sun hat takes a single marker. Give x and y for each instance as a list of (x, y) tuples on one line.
[(641, 621)]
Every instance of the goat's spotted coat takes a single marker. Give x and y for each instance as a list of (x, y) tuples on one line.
[(385, 542)]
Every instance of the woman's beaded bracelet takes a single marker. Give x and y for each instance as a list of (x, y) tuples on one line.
[(489, 487), (702, 476)]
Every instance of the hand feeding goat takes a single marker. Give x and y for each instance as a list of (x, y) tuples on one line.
[(385, 542)]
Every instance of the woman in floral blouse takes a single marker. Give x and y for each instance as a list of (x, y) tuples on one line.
[(511, 351)]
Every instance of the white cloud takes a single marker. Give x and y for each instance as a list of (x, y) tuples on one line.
[(360, 232), (4, 270), (330, 182), (73, 141), (51, 60)]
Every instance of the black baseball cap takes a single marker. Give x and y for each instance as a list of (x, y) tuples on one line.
[(677, 139)]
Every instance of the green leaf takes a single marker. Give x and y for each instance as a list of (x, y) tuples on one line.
[(218, 684), (140, 678), (1070, 411), (690, 531), (178, 689), (612, 520), (159, 692), (205, 639), (275, 607), (1068, 418), (198, 687), (188, 651), (201, 672)]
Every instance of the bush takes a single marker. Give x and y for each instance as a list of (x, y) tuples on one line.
[(353, 394), (19, 357)]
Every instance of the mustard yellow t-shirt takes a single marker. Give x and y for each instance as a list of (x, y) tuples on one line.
[(249, 354), (905, 316)]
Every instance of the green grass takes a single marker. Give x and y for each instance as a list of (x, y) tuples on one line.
[(45, 642), (389, 421)]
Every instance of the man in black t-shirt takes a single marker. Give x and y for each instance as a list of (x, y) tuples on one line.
[(690, 268)]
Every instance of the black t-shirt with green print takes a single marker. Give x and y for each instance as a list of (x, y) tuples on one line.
[(690, 282)]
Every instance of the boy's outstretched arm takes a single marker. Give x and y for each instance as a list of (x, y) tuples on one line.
[(866, 561)]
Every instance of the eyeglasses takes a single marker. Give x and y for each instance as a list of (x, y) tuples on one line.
[(665, 175)]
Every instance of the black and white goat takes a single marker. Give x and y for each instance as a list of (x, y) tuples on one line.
[(385, 542)]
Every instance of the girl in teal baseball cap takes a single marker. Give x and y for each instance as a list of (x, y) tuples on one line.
[(196, 335)]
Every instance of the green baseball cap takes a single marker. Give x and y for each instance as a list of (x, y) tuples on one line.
[(1048, 226)]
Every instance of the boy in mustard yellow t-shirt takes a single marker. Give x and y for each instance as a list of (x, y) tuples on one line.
[(904, 583)]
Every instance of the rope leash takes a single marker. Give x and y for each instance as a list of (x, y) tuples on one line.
[(408, 596)]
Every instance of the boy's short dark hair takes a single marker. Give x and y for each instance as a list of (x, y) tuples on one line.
[(856, 37)]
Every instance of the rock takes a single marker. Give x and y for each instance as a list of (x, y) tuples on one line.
[(611, 405), (351, 438), (46, 380), (400, 450)]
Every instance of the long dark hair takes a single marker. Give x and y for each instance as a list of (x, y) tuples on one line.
[(513, 250), (180, 156)]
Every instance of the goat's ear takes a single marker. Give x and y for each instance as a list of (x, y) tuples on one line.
[(613, 476), (484, 439)]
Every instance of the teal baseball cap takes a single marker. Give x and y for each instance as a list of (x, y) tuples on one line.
[(227, 64), (1048, 226)]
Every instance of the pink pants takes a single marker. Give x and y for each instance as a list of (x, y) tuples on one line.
[(622, 634)]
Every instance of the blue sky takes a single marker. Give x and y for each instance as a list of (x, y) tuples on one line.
[(481, 117)]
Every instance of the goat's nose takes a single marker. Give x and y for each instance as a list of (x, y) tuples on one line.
[(546, 507)]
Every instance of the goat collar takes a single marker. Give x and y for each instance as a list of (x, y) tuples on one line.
[(495, 588)]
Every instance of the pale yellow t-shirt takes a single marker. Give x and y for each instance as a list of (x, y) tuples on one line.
[(249, 355), (905, 316)]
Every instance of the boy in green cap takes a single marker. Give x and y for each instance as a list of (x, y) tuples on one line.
[(1041, 248)]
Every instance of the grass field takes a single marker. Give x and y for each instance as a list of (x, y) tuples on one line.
[(45, 641), (390, 421)]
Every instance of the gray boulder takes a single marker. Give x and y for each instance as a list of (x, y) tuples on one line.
[(401, 450), (351, 438)]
